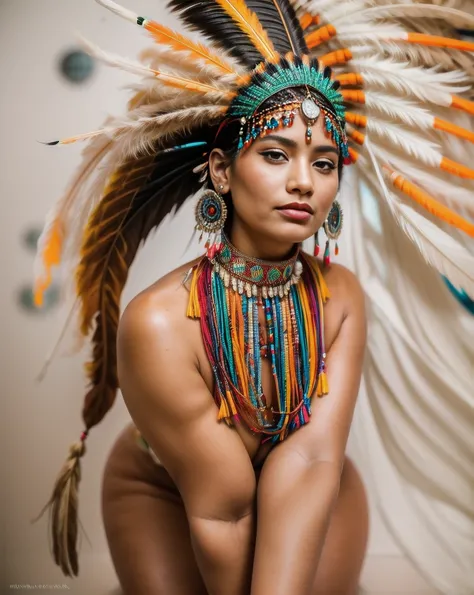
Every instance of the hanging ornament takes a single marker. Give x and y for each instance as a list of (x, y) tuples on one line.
[(211, 214), (316, 244), (310, 111), (332, 229)]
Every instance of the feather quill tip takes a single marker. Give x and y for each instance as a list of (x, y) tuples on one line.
[(49, 143)]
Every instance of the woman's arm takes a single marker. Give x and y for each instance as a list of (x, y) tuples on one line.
[(172, 407), (299, 483)]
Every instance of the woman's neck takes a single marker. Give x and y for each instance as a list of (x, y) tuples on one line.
[(259, 247)]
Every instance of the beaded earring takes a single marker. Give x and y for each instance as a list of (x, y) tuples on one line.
[(332, 229), (211, 214)]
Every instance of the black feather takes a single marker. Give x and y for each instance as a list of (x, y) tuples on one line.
[(277, 17), (298, 61), (207, 17), (279, 20)]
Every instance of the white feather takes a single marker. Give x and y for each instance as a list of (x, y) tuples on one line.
[(401, 110), (359, 33), (437, 247), (140, 136), (456, 18), (329, 10), (156, 56), (114, 60), (408, 141), (119, 10), (435, 182), (153, 128), (419, 55), (136, 68), (426, 84)]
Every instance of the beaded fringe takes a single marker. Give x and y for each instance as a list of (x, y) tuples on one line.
[(230, 330)]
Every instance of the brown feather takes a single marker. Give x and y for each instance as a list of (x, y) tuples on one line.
[(63, 512), (101, 276)]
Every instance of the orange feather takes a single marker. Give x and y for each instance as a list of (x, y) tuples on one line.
[(430, 204), (197, 51), (439, 42), (251, 26), (336, 57), (51, 257), (462, 104), (321, 35)]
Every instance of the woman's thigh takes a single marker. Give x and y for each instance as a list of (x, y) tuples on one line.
[(345, 546), (148, 532), (146, 526)]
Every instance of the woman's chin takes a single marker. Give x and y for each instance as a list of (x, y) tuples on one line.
[(293, 233)]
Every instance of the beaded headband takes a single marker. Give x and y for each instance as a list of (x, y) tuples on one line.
[(322, 98)]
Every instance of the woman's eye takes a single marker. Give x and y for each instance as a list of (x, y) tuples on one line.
[(274, 155), (325, 165)]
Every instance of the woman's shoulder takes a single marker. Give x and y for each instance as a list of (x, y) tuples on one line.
[(160, 307), (343, 285), (334, 274)]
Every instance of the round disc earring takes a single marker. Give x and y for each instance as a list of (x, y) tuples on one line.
[(211, 214), (333, 228)]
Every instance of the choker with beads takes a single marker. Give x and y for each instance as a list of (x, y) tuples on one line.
[(253, 276), (227, 293)]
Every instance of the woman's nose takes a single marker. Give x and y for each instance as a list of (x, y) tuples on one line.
[(300, 180)]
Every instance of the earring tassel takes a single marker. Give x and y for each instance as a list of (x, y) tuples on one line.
[(336, 249), (316, 244), (327, 255)]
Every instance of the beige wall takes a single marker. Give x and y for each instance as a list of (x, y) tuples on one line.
[(41, 420)]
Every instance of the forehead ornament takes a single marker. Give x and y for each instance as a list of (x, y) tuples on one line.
[(310, 111)]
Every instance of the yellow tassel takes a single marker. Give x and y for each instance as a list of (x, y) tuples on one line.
[(223, 410), (230, 401), (323, 385), (194, 310)]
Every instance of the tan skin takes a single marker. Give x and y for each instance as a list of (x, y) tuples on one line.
[(224, 515)]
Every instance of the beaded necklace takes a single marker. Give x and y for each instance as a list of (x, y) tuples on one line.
[(226, 293)]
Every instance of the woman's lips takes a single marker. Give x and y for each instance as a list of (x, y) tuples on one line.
[(295, 214)]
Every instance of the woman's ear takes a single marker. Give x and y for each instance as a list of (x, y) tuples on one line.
[(219, 165)]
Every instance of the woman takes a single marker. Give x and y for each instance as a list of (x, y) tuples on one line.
[(202, 500), (240, 369)]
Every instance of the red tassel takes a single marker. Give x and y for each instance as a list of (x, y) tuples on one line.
[(305, 415), (336, 249), (327, 253)]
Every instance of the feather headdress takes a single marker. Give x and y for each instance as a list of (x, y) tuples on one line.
[(395, 72)]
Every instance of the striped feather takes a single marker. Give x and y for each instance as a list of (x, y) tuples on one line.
[(437, 247)]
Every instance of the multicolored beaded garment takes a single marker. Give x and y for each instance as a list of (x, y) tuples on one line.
[(226, 294)]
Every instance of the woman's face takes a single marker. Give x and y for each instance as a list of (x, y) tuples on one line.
[(281, 187)]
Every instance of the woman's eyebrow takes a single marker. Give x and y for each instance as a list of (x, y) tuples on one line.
[(293, 145)]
